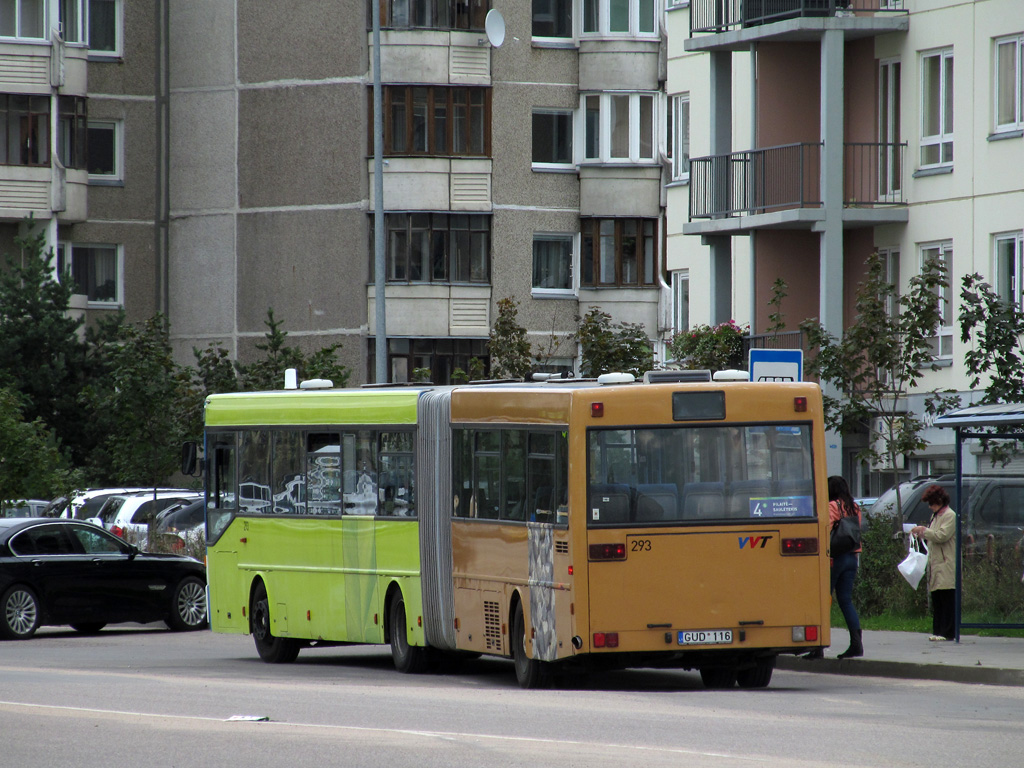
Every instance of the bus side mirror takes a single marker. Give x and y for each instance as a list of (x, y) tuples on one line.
[(189, 458)]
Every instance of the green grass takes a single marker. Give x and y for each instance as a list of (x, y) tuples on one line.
[(890, 622)]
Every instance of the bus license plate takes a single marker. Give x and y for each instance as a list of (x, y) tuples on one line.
[(705, 637)]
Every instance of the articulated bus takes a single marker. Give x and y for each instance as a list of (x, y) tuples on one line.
[(568, 525)]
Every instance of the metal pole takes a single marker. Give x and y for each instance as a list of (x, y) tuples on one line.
[(959, 541), (379, 266)]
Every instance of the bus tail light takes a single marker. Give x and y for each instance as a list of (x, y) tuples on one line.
[(805, 634), (607, 551), (808, 546), (800, 404), (597, 410), (606, 639)]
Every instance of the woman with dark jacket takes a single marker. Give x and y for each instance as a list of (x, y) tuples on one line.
[(940, 534), (844, 567)]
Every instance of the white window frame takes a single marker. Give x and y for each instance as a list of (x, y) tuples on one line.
[(891, 261), (118, 33), (681, 300), (558, 293), (605, 101), (117, 177), (67, 256), (1016, 89), (1009, 277), (604, 20), (569, 164), (944, 333), (944, 137), (890, 129), (20, 22), (681, 137)]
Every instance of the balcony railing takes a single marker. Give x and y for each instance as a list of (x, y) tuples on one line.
[(779, 178), (723, 15), (755, 181), (781, 340), (873, 174)]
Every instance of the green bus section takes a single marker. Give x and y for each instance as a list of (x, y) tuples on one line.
[(246, 409), (326, 579)]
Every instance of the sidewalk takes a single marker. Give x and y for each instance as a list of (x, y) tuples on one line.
[(910, 655)]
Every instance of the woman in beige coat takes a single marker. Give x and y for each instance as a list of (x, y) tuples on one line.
[(940, 535)]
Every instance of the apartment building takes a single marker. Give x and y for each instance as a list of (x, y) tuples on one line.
[(77, 117), (876, 125), (532, 170)]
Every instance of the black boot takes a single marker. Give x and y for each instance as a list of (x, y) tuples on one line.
[(817, 653), (856, 646)]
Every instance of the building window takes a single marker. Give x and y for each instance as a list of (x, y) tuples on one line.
[(434, 14), (891, 267), (618, 127), (680, 143), (436, 121), (72, 133), (95, 269), (681, 300), (619, 18), (437, 247), (441, 357), (618, 252), (889, 130), (942, 341), (105, 145), (552, 263), (24, 19), (105, 25), (552, 138), (24, 129), (937, 108), (1009, 259), (552, 18), (72, 21), (1009, 83)]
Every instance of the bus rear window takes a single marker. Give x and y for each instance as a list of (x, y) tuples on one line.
[(698, 474)]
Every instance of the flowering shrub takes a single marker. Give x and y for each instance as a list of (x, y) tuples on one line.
[(713, 347)]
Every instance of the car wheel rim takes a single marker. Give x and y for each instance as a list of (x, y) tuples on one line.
[(21, 612), (192, 604)]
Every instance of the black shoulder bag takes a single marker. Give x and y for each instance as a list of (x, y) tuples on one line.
[(845, 535)]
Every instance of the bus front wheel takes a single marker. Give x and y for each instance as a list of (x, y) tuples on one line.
[(273, 650), (410, 659), (530, 673)]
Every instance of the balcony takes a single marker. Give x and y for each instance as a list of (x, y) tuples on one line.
[(780, 187), (735, 24)]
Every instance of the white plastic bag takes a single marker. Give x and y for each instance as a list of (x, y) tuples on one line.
[(913, 566)]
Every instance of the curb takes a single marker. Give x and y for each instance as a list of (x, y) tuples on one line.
[(865, 667)]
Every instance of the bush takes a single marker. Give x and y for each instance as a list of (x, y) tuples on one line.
[(879, 587), (716, 348)]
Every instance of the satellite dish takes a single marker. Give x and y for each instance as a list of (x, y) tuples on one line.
[(494, 25)]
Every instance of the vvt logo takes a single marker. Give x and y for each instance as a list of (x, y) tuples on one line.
[(753, 542)]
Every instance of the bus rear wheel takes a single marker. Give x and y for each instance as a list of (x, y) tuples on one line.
[(718, 677), (410, 659), (757, 676), (273, 650), (529, 672)]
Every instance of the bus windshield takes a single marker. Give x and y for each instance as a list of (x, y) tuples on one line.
[(699, 474)]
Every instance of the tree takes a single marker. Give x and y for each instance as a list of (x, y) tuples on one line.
[(715, 348), (148, 399), (992, 327), (607, 348), (41, 355), (268, 373), (879, 359), (31, 464), (509, 349)]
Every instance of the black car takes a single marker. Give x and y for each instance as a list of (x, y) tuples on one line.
[(73, 572)]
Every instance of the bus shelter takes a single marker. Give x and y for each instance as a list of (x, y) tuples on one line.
[(999, 422)]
